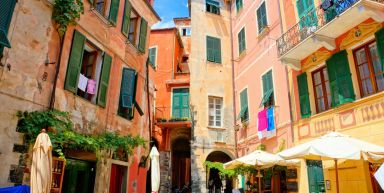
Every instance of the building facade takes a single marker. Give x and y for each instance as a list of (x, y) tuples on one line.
[(334, 52), (107, 47), (211, 89)]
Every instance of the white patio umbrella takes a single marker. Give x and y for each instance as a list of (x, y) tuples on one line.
[(259, 159), (41, 176), (155, 169), (334, 146)]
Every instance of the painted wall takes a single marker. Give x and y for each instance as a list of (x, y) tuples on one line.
[(259, 57), (33, 40), (209, 79)]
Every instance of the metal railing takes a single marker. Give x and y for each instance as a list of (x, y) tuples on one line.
[(312, 21), (164, 115)]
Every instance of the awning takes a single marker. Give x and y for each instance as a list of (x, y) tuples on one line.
[(266, 96)]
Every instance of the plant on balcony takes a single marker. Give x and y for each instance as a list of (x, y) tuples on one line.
[(65, 13), (178, 119), (62, 135), (161, 120)]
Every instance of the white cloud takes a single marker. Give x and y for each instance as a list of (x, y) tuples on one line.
[(164, 24)]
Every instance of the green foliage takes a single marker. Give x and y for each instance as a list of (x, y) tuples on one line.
[(243, 170), (219, 166), (64, 137), (261, 147), (65, 13)]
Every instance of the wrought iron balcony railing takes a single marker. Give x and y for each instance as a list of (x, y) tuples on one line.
[(168, 115), (312, 21)]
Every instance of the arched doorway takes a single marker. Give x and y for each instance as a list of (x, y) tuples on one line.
[(214, 180), (181, 162)]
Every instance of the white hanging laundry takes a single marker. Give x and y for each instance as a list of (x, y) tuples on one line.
[(83, 81)]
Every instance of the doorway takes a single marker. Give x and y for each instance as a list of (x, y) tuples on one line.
[(79, 176), (181, 162), (315, 176), (214, 180)]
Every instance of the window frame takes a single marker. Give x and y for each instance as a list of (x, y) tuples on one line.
[(324, 88), (238, 41), (248, 108), (189, 100), (207, 5), (238, 9), (259, 31), (135, 27), (216, 41), (372, 74), (214, 98), (272, 99), (125, 112)]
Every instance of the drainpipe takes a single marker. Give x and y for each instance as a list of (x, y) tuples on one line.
[(233, 81), (52, 101), (287, 76)]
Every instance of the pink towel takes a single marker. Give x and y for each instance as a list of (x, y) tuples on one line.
[(91, 86), (262, 120)]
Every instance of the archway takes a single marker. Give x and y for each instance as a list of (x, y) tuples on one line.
[(214, 179), (181, 162)]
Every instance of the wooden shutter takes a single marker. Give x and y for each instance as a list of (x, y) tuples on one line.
[(143, 35), (305, 108), (127, 90), (244, 105), (315, 176), (239, 5), (261, 17), (113, 11), (152, 56), (340, 81), (217, 50), (126, 18), (75, 62), (241, 40), (6, 12), (380, 45), (185, 103), (176, 101), (104, 80), (210, 54)]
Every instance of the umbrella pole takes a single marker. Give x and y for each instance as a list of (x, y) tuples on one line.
[(337, 177), (259, 176)]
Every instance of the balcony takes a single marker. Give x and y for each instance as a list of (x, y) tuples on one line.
[(164, 118), (357, 114), (322, 25)]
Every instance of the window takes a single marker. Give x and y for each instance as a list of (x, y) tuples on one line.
[(212, 6), (369, 69), (180, 103), (215, 111), (132, 35), (118, 179), (239, 5), (243, 115), (107, 8), (213, 49), (268, 95), (306, 14), (241, 40), (126, 18), (186, 31), (88, 67), (322, 89), (127, 100), (261, 17), (152, 54), (6, 12)]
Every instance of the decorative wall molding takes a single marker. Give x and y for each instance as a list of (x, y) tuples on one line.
[(359, 33), (315, 59)]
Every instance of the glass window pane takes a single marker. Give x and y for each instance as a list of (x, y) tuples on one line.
[(319, 91), (317, 78), (325, 74), (361, 57)]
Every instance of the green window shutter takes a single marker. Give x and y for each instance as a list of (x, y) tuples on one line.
[(6, 11), (267, 87), (127, 90), (143, 35), (185, 104), (239, 5), (152, 56), (126, 18), (244, 105), (380, 45), (305, 107), (113, 11), (241, 40), (217, 50), (210, 55), (74, 62), (261, 17), (180, 103), (176, 108), (104, 80), (340, 79)]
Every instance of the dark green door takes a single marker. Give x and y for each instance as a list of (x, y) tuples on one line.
[(180, 103), (315, 176), (79, 176)]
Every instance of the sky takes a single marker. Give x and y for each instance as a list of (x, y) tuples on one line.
[(169, 9)]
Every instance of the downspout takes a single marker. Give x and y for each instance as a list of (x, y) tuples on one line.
[(233, 81), (148, 104), (52, 101), (287, 76)]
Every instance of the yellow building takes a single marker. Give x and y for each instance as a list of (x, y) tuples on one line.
[(335, 54)]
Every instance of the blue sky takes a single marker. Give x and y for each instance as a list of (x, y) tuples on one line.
[(169, 9)]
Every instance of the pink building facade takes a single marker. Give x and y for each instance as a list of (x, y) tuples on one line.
[(260, 80)]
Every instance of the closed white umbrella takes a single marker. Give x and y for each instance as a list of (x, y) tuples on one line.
[(41, 169), (155, 169), (334, 146), (259, 159)]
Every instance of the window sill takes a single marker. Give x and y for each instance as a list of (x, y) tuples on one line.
[(101, 17), (242, 55), (220, 142), (83, 99), (215, 63), (215, 128), (213, 14), (263, 33), (133, 46)]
